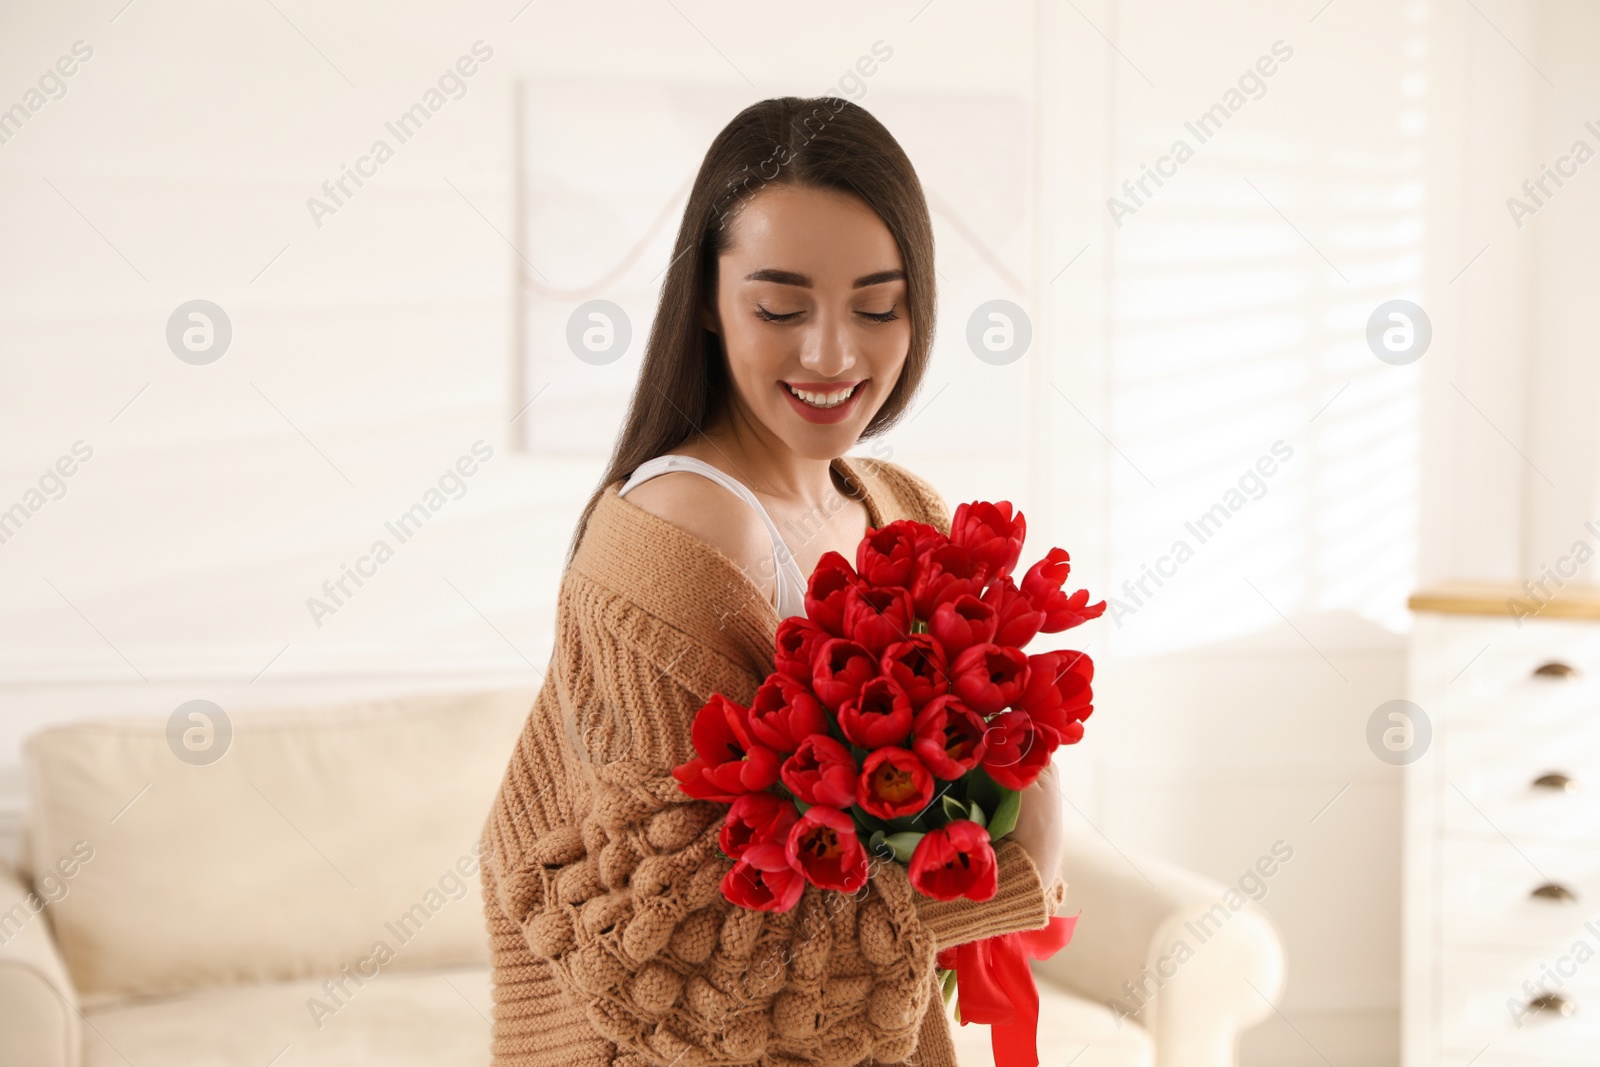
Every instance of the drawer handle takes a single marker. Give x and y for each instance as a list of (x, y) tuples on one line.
[(1557, 670), (1556, 783), (1552, 891), (1552, 1002)]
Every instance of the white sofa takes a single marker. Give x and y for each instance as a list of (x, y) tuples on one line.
[(311, 899)]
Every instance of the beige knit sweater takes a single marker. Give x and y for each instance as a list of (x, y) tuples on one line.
[(610, 940)]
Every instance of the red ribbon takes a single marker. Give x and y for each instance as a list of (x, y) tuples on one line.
[(995, 986)]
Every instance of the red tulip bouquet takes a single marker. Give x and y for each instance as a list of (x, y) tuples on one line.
[(902, 721)]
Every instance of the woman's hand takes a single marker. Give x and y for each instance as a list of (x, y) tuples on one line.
[(1040, 826)]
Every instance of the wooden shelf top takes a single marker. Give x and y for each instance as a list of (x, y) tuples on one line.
[(1499, 598)]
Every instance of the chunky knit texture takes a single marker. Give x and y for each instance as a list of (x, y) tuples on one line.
[(609, 937)]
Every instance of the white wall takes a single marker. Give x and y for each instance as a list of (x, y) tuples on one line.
[(1562, 238), (1222, 316)]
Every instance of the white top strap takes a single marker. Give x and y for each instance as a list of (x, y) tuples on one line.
[(791, 584)]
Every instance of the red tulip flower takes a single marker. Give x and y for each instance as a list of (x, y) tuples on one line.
[(839, 669), (944, 572), (880, 715), (1017, 749), (953, 861), (888, 557), (991, 534), (877, 618), (948, 737), (963, 622), (1075, 681), (989, 678), (784, 713), (1041, 695), (826, 590), (824, 847), (1041, 702), (918, 666), (798, 638), (894, 783), (764, 880), (756, 819), (821, 771), (1016, 620), (1059, 693), (1042, 588), (730, 762)]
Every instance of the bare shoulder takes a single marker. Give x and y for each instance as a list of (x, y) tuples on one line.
[(711, 513)]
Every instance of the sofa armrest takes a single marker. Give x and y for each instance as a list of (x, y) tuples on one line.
[(1168, 950), (39, 1017)]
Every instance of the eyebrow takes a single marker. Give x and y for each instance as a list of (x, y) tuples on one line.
[(789, 277)]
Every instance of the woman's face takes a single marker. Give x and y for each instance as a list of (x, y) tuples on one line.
[(811, 308)]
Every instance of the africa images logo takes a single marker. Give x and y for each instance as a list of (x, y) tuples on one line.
[(337, 192), (451, 485)]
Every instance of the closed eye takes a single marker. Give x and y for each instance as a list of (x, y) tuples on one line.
[(871, 316)]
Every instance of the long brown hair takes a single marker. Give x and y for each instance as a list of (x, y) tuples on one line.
[(821, 143)]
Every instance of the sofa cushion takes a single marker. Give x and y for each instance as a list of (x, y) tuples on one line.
[(408, 1019), (1071, 1031), (321, 840), (428, 1019)]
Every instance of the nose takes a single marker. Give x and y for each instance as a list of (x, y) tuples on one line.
[(827, 350)]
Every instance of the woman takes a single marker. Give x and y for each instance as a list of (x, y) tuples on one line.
[(796, 318)]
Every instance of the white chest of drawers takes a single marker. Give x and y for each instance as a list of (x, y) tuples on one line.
[(1501, 920)]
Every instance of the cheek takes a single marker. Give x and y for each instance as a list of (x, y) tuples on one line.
[(754, 351), (885, 348)]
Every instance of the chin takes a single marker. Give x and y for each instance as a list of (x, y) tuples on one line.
[(814, 442)]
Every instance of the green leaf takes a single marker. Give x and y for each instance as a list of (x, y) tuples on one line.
[(983, 790), (1004, 819), (978, 816), (947, 985), (907, 824), (869, 820), (953, 808), (801, 805), (903, 845), (876, 845)]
